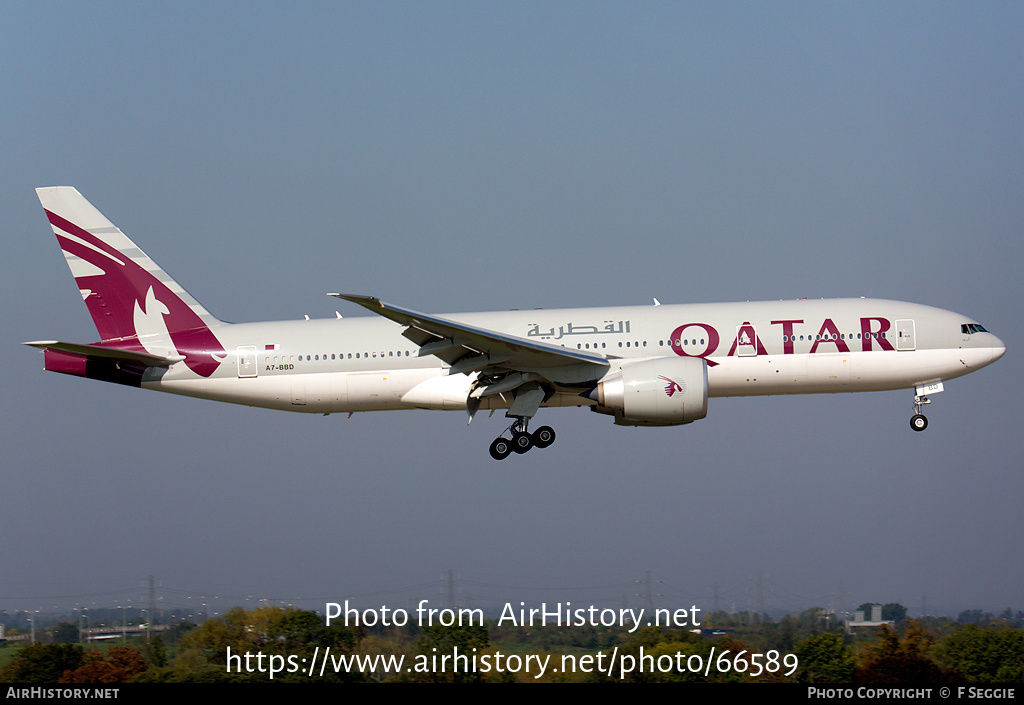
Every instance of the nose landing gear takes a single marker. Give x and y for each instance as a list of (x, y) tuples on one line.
[(919, 421)]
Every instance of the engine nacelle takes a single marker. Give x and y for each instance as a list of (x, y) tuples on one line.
[(663, 391)]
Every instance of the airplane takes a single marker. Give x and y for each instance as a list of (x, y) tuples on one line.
[(652, 365)]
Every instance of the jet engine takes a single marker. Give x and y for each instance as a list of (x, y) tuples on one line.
[(658, 392)]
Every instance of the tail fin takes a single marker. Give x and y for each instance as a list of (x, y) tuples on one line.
[(132, 301)]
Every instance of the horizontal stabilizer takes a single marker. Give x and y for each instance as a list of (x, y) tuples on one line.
[(106, 353)]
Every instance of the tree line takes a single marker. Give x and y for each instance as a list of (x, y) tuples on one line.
[(912, 651)]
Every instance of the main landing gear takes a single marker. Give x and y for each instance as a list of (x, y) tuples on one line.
[(522, 440), (919, 421)]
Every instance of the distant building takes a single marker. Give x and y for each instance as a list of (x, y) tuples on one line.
[(859, 621)]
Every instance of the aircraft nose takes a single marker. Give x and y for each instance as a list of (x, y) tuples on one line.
[(996, 350)]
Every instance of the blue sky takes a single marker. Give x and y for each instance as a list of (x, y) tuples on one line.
[(472, 156)]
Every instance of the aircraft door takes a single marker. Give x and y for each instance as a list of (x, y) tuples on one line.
[(905, 334), (247, 366)]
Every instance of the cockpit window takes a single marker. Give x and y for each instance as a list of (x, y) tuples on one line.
[(968, 328)]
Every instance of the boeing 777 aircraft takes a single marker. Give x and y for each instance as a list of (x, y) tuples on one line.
[(644, 365)]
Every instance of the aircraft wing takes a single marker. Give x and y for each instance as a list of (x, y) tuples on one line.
[(469, 348)]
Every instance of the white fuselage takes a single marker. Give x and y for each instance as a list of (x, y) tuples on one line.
[(754, 348)]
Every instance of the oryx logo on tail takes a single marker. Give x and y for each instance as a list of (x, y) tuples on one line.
[(133, 302)]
